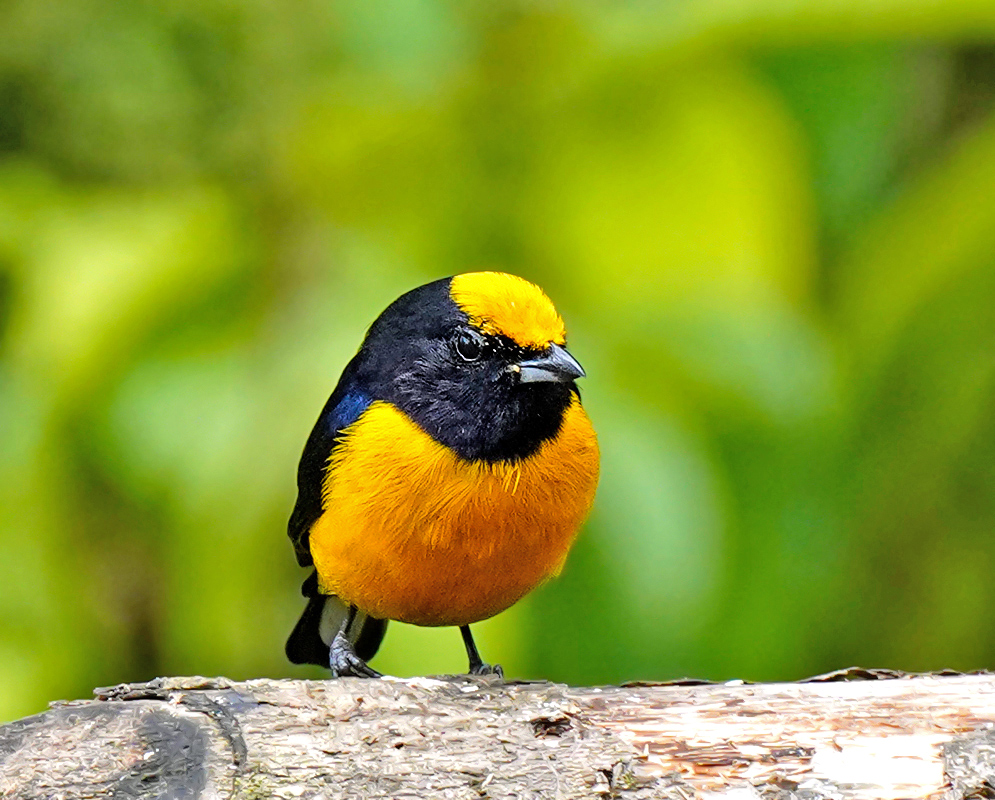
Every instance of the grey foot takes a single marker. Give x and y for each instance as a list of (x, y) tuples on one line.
[(487, 669), (344, 663)]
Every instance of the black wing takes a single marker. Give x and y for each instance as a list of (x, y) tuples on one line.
[(309, 641), (343, 408)]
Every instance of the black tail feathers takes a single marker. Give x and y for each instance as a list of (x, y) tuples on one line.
[(321, 620), (305, 645)]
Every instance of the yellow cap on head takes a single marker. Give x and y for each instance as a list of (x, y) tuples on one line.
[(498, 303)]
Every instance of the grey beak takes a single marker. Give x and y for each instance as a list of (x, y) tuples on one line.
[(555, 366)]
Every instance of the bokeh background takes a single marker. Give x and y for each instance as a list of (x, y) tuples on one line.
[(770, 226)]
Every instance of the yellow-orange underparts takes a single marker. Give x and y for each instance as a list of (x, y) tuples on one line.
[(412, 532)]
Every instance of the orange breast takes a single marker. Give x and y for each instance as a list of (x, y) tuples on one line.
[(412, 532)]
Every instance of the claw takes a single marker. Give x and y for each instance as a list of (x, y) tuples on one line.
[(487, 669), (344, 663), (477, 665)]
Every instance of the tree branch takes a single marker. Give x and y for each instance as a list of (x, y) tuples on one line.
[(851, 734)]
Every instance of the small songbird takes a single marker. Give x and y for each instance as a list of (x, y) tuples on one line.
[(447, 474)]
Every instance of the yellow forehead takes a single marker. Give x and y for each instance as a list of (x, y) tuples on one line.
[(499, 303)]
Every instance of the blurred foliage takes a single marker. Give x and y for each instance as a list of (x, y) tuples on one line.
[(770, 226)]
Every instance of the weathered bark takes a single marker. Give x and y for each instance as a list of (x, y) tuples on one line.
[(909, 737)]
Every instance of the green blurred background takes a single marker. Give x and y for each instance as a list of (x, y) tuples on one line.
[(770, 226)]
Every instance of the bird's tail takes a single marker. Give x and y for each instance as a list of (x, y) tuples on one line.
[(321, 620)]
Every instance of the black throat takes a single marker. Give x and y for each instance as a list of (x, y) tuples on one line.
[(501, 426)]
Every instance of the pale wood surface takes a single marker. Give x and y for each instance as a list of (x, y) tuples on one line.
[(911, 737)]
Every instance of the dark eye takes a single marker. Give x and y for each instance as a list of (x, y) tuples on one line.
[(468, 346)]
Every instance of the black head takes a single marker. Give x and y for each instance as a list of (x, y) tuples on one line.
[(477, 361)]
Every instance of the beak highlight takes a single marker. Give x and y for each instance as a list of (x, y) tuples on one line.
[(556, 366)]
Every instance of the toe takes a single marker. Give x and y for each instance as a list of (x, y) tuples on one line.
[(360, 669), (487, 669), (344, 663)]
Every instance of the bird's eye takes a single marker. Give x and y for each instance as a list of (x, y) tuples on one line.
[(468, 346)]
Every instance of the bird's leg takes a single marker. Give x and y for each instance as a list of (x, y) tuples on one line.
[(477, 665), (342, 658)]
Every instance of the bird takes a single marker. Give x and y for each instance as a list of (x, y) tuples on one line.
[(447, 475)]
